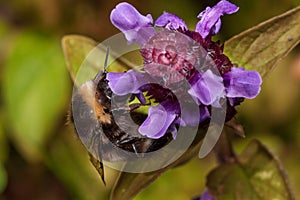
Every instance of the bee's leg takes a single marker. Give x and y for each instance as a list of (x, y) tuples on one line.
[(140, 155), (126, 140), (129, 108), (134, 106), (130, 141), (124, 109)]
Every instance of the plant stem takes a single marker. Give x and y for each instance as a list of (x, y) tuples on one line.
[(223, 149)]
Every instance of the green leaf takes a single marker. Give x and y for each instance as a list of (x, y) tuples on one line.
[(35, 91), (85, 58), (256, 174), (261, 47), (76, 48)]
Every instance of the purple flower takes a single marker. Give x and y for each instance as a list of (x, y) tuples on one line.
[(124, 83), (170, 21), (172, 59), (241, 83), (208, 88), (159, 120), (210, 21), (134, 25), (204, 196)]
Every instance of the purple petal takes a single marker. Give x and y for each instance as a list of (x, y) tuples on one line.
[(170, 21), (241, 83), (157, 122), (210, 18), (141, 36), (205, 196), (204, 113), (192, 117), (235, 101), (126, 83), (172, 128), (208, 89), (128, 20)]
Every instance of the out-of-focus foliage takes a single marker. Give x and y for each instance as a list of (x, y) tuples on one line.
[(253, 175), (68, 160), (35, 91), (3, 152), (40, 157)]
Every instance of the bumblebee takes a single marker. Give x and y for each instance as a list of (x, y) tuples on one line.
[(109, 130)]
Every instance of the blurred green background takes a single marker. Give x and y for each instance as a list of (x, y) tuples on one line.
[(40, 156)]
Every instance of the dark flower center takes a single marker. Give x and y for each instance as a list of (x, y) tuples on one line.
[(214, 49)]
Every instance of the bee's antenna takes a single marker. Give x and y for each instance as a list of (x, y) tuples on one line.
[(106, 59), (100, 73)]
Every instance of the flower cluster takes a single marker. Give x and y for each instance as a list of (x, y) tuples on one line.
[(180, 64)]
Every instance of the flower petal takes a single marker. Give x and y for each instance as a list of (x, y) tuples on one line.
[(192, 117), (241, 83), (210, 18), (204, 113), (126, 83), (205, 196), (157, 122), (208, 89), (170, 21), (189, 116), (128, 20)]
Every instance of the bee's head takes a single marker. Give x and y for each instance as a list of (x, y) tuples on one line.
[(101, 75), (103, 92)]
